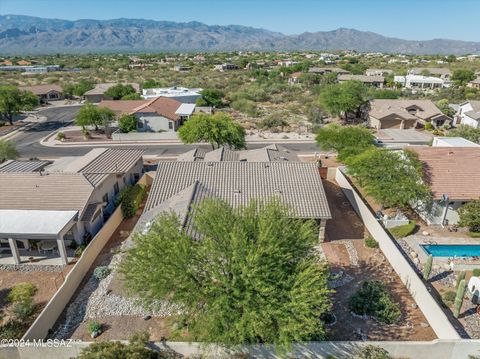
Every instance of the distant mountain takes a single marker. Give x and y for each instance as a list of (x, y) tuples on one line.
[(25, 34)]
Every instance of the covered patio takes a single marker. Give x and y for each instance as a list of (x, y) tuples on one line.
[(42, 235)]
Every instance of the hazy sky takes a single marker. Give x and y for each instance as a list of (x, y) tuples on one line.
[(408, 19)]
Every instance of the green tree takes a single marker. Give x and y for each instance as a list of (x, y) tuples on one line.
[(443, 106), (218, 130), (345, 140), (13, 102), (91, 115), (118, 91), (132, 96), (428, 267), (212, 97), (79, 88), (467, 132), (253, 276), (463, 76), (347, 98), (470, 215), (393, 179), (127, 123), (7, 151), (372, 352)]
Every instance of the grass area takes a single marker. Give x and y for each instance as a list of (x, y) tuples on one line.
[(474, 234), (403, 231)]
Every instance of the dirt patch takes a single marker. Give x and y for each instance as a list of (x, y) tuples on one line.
[(77, 136)]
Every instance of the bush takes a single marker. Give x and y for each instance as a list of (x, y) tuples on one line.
[(24, 309), (245, 106), (130, 198), (22, 292), (372, 352), (476, 272), (94, 327), (12, 330), (374, 300), (403, 231), (428, 126), (371, 243), (274, 120), (449, 298), (474, 234), (101, 272), (127, 123), (78, 252)]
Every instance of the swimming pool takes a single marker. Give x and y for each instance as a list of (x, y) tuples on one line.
[(452, 250)]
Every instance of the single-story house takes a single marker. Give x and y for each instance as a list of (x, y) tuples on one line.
[(375, 81), (328, 70), (294, 78), (453, 142), (178, 186), (453, 176), (63, 201), (95, 95), (468, 114), (45, 93), (181, 94), (405, 114), (441, 72), (420, 82), (474, 83), (181, 68), (157, 114), (225, 67), (378, 72)]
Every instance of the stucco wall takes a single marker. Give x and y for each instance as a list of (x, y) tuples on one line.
[(154, 123), (427, 304)]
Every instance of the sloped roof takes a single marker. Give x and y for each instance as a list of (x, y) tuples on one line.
[(197, 154), (100, 89), (163, 106), (440, 71), (454, 171), (361, 78), (23, 166), (475, 113), (269, 153), (296, 184), (122, 106), (383, 108), (41, 89)]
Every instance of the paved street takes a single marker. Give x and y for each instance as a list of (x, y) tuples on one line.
[(28, 144)]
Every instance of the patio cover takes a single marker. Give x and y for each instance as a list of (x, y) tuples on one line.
[(34, 224)]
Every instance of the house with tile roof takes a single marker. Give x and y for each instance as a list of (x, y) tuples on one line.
[(180, 185), (405, 114), (96, 94), (45, 93), (452, 174), (468, 114), (160, 114), (62, 201), (375, 81)]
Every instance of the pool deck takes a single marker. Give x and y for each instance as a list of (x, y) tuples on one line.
[(467, 263)]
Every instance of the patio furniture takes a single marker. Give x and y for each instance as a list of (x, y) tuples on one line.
[(46, 246)]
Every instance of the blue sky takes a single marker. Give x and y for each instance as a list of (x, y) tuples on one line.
[(408, 19)]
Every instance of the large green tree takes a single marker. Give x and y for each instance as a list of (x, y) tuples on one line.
[(467, 132), (470, 216), (13, 101), (119, 91), (251, 276), (345, 140), (91, 115), (463, 76), (393, 179), (7, 151), (218, 130), (345, 99), (211, 97), (79, 88)]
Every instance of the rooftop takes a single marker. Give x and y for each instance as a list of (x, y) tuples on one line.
[(362, 78), (41, 89), (100, 89), (408, 109)]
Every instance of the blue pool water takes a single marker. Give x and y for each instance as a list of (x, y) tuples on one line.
[(452, 250)]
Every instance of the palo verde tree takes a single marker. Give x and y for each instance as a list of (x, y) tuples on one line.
[(345, 140), (127, 123), (7, 151), (13, 101), (251, 276), (393, 179), (91, 115), (345, 99), (211, 97), (470, 216), (119, 91), (467, 132), (217, 130)]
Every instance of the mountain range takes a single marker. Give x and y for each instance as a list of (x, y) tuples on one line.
[(33, 35)]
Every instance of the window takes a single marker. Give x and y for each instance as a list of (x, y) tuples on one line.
[(105, 200), (136, 177), (116, 189), (170, 125), (140, 124)]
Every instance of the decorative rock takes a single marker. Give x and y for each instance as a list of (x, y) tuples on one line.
[(414, 254), (425, 233), (414, 305), (424, 325), (147, 317)]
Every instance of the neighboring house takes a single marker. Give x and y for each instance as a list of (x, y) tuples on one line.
[(226, 67), (452, 142), (452, 174), (378, 72), (31, 69), (45, 93), (181, 94), (179, 186), (63, 201), (327, 70), (23, 63), (161, 114), (181, 68), (468, 114), (405, 114), (271, 153), (294, 78), (420, 82), (375, 81), (443, 73), (96, 94), (474, 83), (287, 63)]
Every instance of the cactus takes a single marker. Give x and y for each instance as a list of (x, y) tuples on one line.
[(427, 269), (460, 277), (459, 298)]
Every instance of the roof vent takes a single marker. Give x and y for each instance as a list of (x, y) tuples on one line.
[(237, 191), (210, 164), (266, 165), (277, 191)]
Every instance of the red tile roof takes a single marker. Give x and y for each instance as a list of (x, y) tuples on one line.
[(163, 106)]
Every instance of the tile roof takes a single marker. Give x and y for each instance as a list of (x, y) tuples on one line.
[(475, 113), (122, 106), (454, 171), (269, 153), (297, 184), (23, 166), (440, 71), (362, 78), (197, 154), (41, 89), (163, 106), (383, 108), (100, 89)]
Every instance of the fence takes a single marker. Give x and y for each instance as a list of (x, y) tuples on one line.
[(438, 349), (428, 305), (55, 306)]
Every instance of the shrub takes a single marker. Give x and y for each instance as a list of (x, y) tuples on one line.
[(101, 272), (474, 234), (22, 292), (274, 120), (427, 269), (403, 231), (372, 352), (78, 252), (245, 106), (127, 123), (459, 298), (24, 309), (460, 277), (449, 298), (94, 327), (12, 330), (428, 126), (371, 243), (60, 136), (476, 272), (130, 198), (374, 300)]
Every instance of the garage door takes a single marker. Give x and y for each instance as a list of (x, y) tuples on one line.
[(391, 124)]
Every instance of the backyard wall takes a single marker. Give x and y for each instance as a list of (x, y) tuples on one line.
[(437, 319), (438, 349), (56, 305), (144, 136)]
